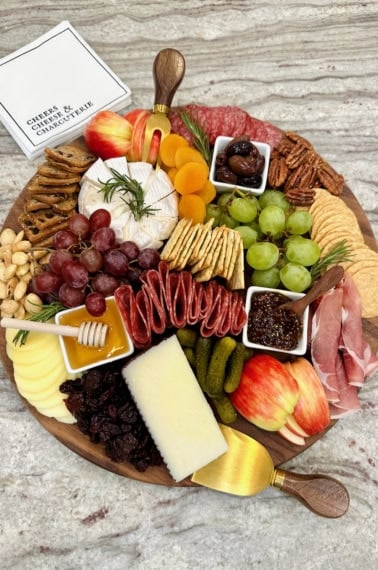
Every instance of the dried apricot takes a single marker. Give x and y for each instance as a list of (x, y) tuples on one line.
[(186, 154), (207, 192), (172, 171), (192, 207), (191, 177), (169, 146)]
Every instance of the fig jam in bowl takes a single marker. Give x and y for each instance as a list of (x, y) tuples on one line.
[(270, 328), (239, 163)]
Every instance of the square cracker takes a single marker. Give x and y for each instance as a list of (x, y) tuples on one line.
[(237, 279), (176, 240)]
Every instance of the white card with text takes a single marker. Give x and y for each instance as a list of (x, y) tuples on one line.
[(52, 87)]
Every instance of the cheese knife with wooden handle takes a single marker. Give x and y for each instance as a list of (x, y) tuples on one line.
[(247, 469)]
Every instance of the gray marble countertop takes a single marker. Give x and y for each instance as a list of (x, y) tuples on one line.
[(306, 66)]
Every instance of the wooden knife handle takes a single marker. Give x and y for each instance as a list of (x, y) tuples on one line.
[(168, 72), (321, 494)]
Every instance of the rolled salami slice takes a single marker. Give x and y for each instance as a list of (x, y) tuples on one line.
[(195, 302), (214, 315), (152, 283), (125, 299), (177, 300), (142, 319), (225, 321), (238, 312)]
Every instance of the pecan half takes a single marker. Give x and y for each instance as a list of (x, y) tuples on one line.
[(285, 146), (299, 155), (295, 138), (304, 175), (300, 196), (277, 172), (330, 179)]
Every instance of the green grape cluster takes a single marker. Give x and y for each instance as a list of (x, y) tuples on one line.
[(275, 237)]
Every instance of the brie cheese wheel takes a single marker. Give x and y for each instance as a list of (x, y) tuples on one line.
[(153, 228)]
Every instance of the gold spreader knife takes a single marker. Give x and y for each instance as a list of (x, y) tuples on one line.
[(247, 469), (168, 72)]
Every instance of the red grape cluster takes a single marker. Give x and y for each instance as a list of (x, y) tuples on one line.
[(87, 263)]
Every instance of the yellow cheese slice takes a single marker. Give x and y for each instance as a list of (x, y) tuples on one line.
[(174, 408)]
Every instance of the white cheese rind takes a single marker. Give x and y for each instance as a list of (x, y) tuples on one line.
[(174, 408)]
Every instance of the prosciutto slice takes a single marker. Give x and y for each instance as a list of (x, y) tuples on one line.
[(348, 395), (325, 336), (341, 356), (359, 360)]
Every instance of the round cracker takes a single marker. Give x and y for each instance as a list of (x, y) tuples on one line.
[(366, 281)]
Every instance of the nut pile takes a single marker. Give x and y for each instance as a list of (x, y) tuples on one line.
[(297, 169), (18, 264)]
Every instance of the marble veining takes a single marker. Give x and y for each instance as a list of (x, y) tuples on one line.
[(304, 66)]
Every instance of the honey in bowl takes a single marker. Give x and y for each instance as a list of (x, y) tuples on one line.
[(118, 343)]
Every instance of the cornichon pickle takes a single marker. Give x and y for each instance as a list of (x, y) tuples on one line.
[(225, 409), (202, 355), (189, 353), (217, 365), (234, 368), (187, 337)]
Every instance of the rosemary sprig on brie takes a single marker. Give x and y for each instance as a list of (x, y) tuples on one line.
[(126, 185)]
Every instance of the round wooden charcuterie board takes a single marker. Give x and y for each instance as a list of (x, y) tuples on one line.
[(280, 449)]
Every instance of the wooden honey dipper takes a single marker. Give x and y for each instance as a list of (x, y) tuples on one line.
[(89, 333)]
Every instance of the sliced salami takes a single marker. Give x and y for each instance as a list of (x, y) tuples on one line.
[(224, 325), (211, 322), (141, 325), (177, 303), (134, 311), (226, 121), (238, 314), (152, 283), (195, 302), (174, 298)]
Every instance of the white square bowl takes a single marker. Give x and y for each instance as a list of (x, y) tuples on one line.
[(219, 146), (302, 341), (118, 341)]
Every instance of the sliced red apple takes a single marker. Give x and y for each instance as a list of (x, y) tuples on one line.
[(312, 410), (267, 392), (293, 426), (138, 119), (291, 436)]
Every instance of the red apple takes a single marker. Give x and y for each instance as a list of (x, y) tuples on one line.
[(138, 119), (312, 410), (267, 392), (108, 135)]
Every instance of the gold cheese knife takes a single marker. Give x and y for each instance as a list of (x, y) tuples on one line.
[(168, 72), (247, 469)]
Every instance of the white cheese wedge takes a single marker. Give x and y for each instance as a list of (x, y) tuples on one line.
[(174, 408), (96, 172), (119, 164), (140, 171)]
